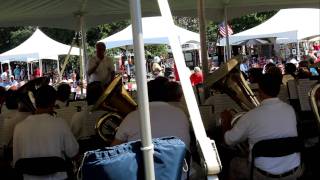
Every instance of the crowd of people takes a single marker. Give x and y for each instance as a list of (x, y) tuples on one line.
[(45, 133)]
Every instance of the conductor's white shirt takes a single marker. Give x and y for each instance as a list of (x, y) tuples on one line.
[(104, 70)]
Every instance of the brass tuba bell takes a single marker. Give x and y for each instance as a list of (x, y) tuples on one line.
[(315, 101), (117, 101), (229, 79), (27, 91)]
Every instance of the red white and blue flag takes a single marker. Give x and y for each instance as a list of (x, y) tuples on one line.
[(222, 29)]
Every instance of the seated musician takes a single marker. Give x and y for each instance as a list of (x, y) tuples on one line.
[(10, 123), (166, 120), (63, 93), (43, 134), (272, 119), (83, 123)]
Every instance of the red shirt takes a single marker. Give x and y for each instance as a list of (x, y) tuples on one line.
[(36, 72), (196, 78), (175, 71)]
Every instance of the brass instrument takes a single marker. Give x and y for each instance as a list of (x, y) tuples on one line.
[(116, 100), (315, 101), (229, 79), (27, 91)]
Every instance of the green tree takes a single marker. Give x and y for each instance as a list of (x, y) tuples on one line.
[(250, 21)]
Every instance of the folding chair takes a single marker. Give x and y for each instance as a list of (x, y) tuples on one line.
[(275, 148)]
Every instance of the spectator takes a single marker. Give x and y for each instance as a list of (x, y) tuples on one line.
[(196, 77), (16, 73)]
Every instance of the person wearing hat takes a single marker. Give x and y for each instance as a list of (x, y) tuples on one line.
[(16, 73)]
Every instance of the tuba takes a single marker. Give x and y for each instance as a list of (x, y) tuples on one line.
[(117, 101), (27, 91), (315, 101), (229, 79)]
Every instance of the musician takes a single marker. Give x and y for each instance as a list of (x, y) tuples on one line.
[(82, 123), (101, 67), (166, 120), (272, 119), (44, 135), (63, 94)]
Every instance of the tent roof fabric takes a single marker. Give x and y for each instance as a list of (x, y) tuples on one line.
[(288, 25), (154, 31), (65, 14), (37, 46)]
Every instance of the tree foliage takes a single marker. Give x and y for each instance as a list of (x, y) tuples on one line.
[(11, 37)]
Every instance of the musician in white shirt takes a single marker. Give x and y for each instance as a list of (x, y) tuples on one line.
[(270, 120)]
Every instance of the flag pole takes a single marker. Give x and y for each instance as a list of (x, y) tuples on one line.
[(227, 33)]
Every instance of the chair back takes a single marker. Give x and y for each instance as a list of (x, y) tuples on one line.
[(40, 166), (275, 148)]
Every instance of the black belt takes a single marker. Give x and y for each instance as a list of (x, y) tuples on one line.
[(265, 173)]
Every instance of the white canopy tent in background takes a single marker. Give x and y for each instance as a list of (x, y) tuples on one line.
[(288, 25), (66, 14), (38, 46), (154, 32)]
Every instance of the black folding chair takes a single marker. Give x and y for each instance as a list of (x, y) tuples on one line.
[(40, 166), (275, 148)]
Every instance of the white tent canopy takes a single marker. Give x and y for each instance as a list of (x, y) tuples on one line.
[(38, 46), (154, 32), (288, 25), (65, 14)]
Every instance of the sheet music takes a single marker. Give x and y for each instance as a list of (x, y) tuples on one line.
[(222, 102), (207, 115), (66, 113), (304, 86), (292, 87)]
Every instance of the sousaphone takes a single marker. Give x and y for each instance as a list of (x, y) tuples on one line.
[(27, 91), (117, 101), (229, 79), (315, 101)]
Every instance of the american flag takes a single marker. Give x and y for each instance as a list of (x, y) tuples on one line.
[(222, 29)]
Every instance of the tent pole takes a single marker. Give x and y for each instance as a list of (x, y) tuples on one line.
[(84, 47), (227, 33), (58, 67), (9, 66), (28, 72), (206, 146), (203, 42), (40, 67), (143, 100), (298, 50)]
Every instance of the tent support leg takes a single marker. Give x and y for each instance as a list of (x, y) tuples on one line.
[(40, 67), (28, 71), (203, 43), (143, 100), (205, 144), (228, 51), (298, 51)]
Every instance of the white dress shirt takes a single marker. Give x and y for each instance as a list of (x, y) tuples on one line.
[(103, 71), (166, 120), (43, 135), (272, 119)]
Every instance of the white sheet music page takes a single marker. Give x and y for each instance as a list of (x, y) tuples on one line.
[(304, 86), (292, 87)]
